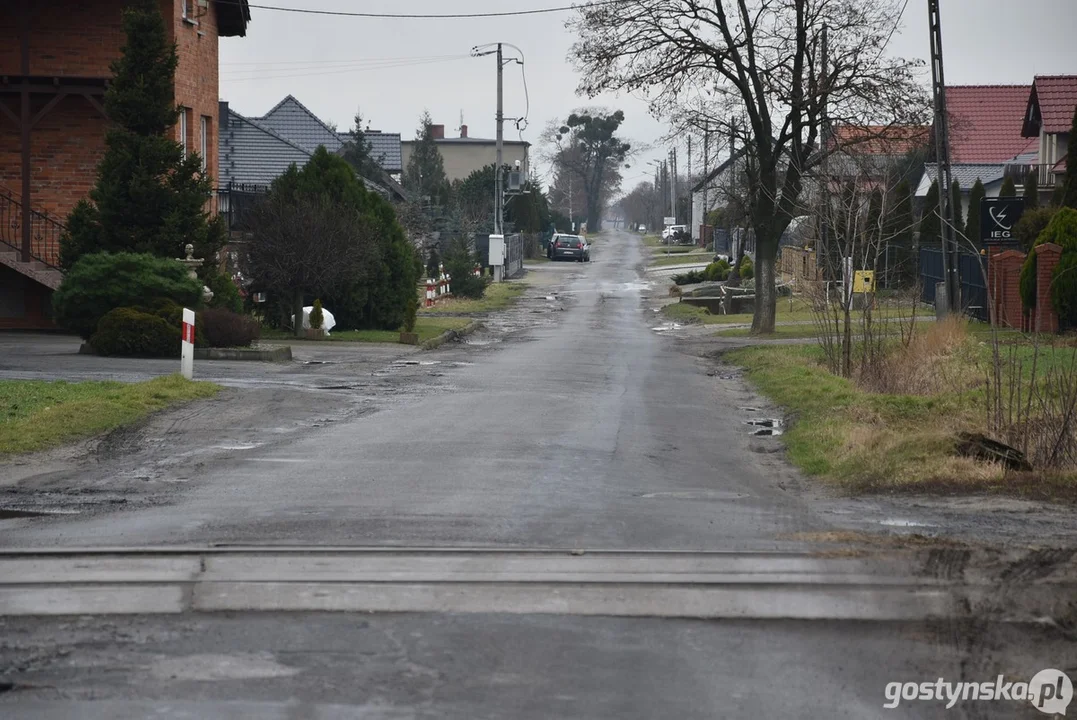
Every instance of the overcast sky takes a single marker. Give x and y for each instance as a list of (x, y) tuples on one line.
[(395, 69)]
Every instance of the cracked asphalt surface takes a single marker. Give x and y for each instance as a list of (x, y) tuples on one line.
[(568, 423)]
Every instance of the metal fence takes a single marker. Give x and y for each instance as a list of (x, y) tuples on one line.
[(974, 300), (236, 201), (44, 231)]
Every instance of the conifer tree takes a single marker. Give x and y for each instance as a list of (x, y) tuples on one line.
[(972, 224), (149, 197)]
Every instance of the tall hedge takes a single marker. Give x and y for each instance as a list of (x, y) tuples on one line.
[(1062, 230), (100, 282)]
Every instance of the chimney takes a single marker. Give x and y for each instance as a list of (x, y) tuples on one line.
[(223, 109), (438, 131), (463, 131)]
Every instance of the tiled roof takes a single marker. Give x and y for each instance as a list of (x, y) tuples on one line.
[(291, 119), (384, 148), (882, 139), (1051, 104), (986, 122), (253, 154), (966, 175)]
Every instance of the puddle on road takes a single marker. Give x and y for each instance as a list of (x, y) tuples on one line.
[(899, 522), (480, 341), (695, 495), (766, 427), (317, 362), (667, 327), (416, 362)]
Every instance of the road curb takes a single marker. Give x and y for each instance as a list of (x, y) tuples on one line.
[(277, 354), (448, 335)]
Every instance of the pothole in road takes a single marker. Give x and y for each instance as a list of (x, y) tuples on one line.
[(899, 522)]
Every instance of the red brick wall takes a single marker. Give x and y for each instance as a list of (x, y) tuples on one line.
[(1047, 257), (66, 146), (197, 75), (1004, 284), (67, 37), (81, 38)]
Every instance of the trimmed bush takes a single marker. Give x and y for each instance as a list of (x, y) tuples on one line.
[(1064, 290), (101, 282), (1062, 230), (747, 270), (126, 331), (1033, 222), (317, 317), (690, 278), (717, 271), (410, 313), (223, 328)]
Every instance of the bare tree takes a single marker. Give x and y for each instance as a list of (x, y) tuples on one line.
[(704, 61), (307, 245)]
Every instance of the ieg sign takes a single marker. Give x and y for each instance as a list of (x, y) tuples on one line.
[(997, 219)]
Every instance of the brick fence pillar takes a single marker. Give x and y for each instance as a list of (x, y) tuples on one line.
[(1004, 286), (1047, 257)]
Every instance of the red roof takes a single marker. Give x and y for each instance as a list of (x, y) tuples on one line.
[(986, 122), (1051, 104), (882, 139)]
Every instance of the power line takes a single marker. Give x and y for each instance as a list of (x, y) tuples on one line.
[(249, 74), (422, 16)]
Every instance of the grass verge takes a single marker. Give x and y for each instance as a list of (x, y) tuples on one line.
[(498, 296), (878, 442), (36, 414)]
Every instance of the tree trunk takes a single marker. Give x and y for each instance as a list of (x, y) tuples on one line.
[(766, 297), (297, 313)]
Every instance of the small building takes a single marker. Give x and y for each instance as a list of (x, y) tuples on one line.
[(55, 58), (1049, 119), (464, 155)]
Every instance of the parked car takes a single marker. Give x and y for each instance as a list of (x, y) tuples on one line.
[(571, 247), (674, 232)]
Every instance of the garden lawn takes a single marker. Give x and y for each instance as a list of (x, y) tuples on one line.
[(661, 259), (36, 414)]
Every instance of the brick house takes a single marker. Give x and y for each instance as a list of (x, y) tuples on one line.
[(54, 68)]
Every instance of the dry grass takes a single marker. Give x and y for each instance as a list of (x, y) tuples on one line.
[(932, 362)]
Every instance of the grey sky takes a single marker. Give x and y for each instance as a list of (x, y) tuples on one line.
[(334, 65)]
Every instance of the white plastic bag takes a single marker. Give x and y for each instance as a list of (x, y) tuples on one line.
[(327, 319)]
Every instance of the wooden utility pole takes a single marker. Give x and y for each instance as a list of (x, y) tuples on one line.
[(942, 152)]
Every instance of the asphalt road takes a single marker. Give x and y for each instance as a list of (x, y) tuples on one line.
[(573, 425), (590, 431)]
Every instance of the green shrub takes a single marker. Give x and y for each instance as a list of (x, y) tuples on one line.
[(717, 271), (317, 317), (460, 264), (1064, 290), (1033, 222), (126, 331), (690, 278), (101, 282), (220, 328), (1061, 230), (225, 293), (410, 314), (747, 270)]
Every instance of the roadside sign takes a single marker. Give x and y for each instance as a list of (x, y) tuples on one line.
[(997, 219), (669, 221), (864, 281)]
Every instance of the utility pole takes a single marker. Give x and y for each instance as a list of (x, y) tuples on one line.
[(732, 189), (942, 153), (706, 172), (499, 191), (571, 224), (673, 184)]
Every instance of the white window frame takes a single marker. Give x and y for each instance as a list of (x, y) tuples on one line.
[(204, 141), (183, 130)]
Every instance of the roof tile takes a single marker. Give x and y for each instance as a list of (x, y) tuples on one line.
[(986, 122), (1057, 98)]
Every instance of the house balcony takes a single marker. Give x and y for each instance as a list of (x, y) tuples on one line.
[(1045, 173)]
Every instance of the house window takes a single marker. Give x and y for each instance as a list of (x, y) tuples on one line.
[(183, 130), (204, 148)]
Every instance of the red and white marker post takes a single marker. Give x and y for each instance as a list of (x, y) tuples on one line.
[(187, 346)]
